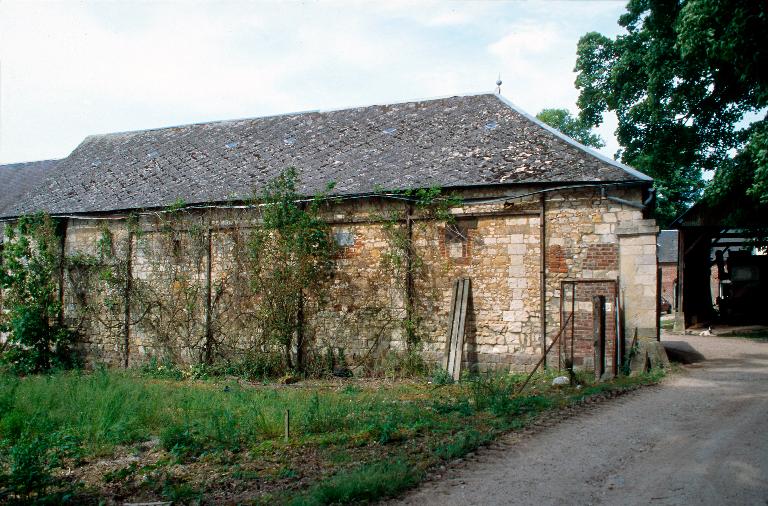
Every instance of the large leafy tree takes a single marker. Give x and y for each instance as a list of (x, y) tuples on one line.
[(562, 120), (682, 80)]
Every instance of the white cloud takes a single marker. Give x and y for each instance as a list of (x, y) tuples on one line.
[(73, 69), (528, 40)]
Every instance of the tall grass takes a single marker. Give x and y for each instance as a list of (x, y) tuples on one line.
[(105, 409), (76, 415)]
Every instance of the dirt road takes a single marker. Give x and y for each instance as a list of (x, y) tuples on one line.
[(700, 438)]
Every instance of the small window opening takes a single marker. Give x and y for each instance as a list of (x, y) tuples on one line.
[(344, 239), (456, 240)]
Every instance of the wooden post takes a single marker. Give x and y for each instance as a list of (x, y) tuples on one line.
[(455, 343), (287, 425), (127, 300), (62, 226), (208, 299), (543, 279), (409, 284), (598, 324)]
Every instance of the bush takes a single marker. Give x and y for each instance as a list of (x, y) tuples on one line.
[(161, 369), (183, 441), (405, 364), (27, 467), (441, 377), (31, 260)]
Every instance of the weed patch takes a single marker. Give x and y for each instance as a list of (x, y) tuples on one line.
[(364, 484), (178, 433)]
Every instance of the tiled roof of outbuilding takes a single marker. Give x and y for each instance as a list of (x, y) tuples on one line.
[(17, 179), (667, 246), (450, 142)]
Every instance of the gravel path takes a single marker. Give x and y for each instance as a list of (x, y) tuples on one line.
[(699, 438)]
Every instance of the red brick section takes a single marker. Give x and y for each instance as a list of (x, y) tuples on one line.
[(556, 259), (583, 337), (349, 251), (602, 257), (466, 246), (668, 277)]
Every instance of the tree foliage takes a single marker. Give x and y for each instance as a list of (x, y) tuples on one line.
[(562, 120), (681, 80), (292, 254), (30, 264)]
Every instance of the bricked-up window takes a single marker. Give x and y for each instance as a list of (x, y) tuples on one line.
[(344, 239), (556, 256), (602, 257), (457, 240)]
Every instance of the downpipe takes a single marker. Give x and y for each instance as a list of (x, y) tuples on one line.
[(638, 205)]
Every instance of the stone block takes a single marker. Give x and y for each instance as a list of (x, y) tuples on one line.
[(603, 228)]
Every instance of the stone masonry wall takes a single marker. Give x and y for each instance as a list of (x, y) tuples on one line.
[(496, 245)]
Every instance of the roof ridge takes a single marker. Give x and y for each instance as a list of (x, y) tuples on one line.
[(286, 114), (31, 162)]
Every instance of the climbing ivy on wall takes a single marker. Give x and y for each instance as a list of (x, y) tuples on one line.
[(292, 258), (216, 286), (402, 260), (29, 278)]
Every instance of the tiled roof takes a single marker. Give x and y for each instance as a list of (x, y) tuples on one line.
[(449, 142), (667, 246), (17, 179)]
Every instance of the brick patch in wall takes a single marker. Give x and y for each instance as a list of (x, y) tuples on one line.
[(556, 259), (457, 241), (602, 257), (582, 325)]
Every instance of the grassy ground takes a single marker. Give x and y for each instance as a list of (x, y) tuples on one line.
[(119, 436)]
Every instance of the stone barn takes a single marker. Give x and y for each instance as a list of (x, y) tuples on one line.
[(537, 223)]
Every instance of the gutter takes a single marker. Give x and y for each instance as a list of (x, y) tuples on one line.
[(118, 214), (638, 205)]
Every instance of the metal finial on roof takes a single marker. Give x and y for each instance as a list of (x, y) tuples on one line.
[(498, 85)]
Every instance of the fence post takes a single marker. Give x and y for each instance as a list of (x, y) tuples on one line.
[(287, 425), (598, 326)]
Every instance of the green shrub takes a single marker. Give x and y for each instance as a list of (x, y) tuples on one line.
[(402, 364), (492, 391), (161, 369), (180, 492), (441, 377), (37, 341), (27, 469), (367, 483), (183, 441)]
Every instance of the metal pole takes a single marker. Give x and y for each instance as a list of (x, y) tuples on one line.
[(598, 326), (541, 360), (543, 277), (573, 321), (127, 300)]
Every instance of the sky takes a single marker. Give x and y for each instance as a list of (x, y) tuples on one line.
[(75, 68)]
